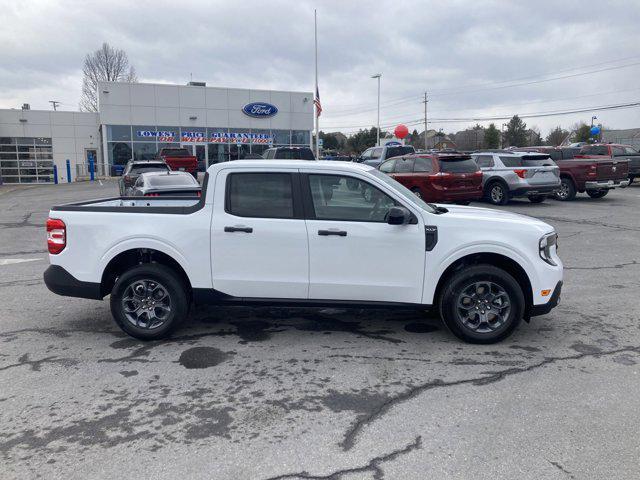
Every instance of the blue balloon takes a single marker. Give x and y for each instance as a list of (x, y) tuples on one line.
[(595, 130)]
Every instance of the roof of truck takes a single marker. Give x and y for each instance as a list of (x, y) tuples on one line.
[(302, 164)]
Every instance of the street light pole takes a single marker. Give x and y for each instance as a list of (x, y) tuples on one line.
[(502, 135), (425, 120), (378, 75)]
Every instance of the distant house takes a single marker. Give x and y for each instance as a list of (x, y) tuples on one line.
[(629, 136)]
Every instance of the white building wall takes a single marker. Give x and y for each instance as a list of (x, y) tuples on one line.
[(70, 132), (191, 106)]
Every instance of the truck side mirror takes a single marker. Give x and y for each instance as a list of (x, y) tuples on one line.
[(398, 216)]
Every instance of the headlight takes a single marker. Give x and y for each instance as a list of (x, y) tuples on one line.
[(547, 242)]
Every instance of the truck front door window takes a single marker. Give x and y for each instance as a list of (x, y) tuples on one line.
[(346, 198)]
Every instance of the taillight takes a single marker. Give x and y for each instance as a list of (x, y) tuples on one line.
[(151, 194), (127, 178), (199, 194), (592, 171), (56, 235), (520, 172)]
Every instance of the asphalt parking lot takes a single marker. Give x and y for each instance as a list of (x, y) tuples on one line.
[(272, 393)]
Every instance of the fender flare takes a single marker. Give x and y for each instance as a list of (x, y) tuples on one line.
[(468, 250), (142, 242)]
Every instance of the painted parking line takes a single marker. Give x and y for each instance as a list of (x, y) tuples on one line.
[(11, 261)]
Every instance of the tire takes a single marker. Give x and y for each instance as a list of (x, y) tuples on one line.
[(597, 193), (147, 275), (536, 198), (416, 192), (498, 324), (497, 193), (567, 190)]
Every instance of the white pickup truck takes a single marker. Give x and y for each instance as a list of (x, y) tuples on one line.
[(284, 232)]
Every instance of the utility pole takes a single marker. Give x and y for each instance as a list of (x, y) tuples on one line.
[(55, 104), (425, 119)]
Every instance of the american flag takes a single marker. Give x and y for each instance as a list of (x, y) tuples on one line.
[(316, 102)]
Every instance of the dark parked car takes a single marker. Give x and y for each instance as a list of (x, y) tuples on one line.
[(447, 177), (134, 168), (289, 153), (375, 156), (163, 184)]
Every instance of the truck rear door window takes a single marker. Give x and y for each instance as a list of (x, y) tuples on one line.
[(261, 195), (404, 165)]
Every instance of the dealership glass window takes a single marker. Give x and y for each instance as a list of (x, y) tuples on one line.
[(118, 132), (144, 150), (281, 137), (7, 140), (144, 133), (193, 134), (300, 137), (217, 152), (258, 149), (168, 134), (119, 152)]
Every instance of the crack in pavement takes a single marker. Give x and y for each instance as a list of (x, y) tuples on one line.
[(561, 468), (373, 466), (351, 435), (36, 365), (25, 222), (620, 265)]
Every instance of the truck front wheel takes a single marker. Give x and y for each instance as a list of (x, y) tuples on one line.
[(149, 301), (482, 304)]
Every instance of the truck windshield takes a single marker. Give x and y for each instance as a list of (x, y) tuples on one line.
[(294, 154), (175, 152), (398, 151), (402, 190)]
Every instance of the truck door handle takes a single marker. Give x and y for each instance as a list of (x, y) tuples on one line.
[(238, 229), (326, 233)]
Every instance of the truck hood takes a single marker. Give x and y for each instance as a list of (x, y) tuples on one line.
[(496, 217)]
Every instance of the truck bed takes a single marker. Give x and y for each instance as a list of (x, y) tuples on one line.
[(134, 204)]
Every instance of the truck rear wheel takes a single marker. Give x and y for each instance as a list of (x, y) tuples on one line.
[(482, 304), (149, 301), (567, 190), (597, 193)]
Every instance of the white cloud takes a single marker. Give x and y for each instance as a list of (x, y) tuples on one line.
[(416, 45)]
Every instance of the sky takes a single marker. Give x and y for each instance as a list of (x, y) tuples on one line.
[(475, 59)]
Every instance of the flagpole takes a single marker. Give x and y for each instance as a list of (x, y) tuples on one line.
[(315, 25)]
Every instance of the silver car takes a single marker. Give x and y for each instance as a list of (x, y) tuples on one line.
[(517, 174)]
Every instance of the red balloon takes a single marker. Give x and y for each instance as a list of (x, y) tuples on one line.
[(401, 131)]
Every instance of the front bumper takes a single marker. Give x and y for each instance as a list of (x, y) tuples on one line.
[(600, 184), (61, 282), (543, 309)]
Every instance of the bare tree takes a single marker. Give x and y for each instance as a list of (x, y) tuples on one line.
[(106, 64)]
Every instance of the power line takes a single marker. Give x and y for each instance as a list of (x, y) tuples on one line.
[(552, 113)]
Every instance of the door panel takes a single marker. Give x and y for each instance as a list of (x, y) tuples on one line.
[(255, 254), (353, 253)]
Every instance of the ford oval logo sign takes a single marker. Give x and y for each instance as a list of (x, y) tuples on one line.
[(260, 109)]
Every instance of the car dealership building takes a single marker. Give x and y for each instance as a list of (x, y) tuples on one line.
[(135, 120)]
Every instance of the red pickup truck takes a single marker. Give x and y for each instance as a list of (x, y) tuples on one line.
[(179, 159), (580, 171), (614, 151)]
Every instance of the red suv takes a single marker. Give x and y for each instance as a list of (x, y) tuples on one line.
[(437, 177)]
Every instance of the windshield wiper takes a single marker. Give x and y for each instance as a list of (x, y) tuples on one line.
[(438, 210)]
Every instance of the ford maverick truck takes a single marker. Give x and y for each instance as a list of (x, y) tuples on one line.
[(289, 232)]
